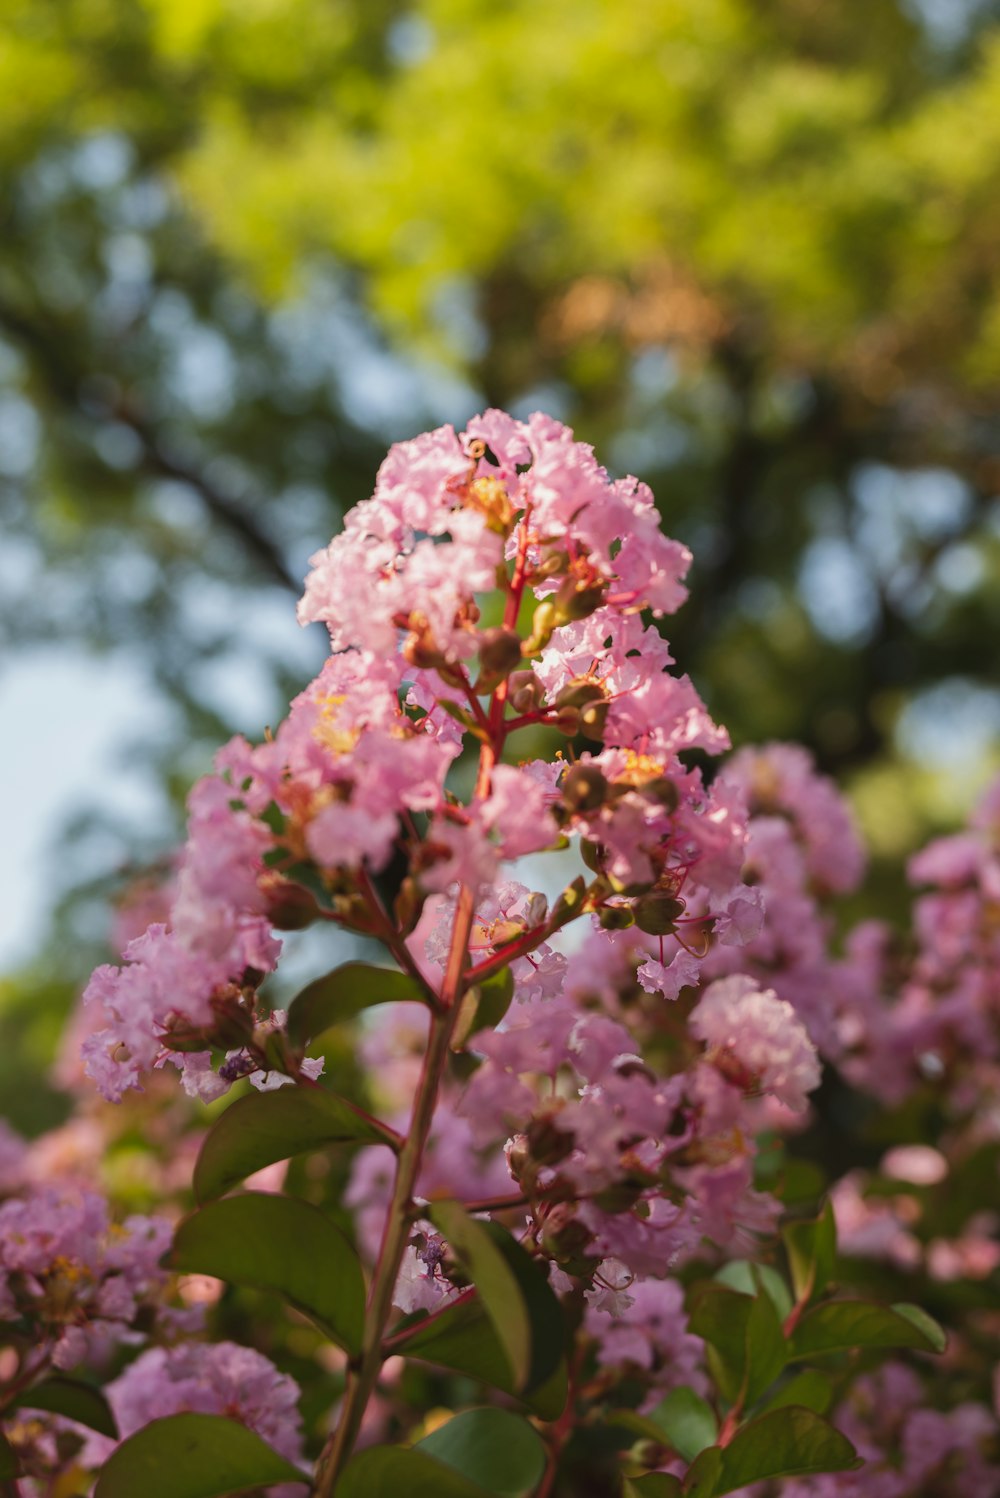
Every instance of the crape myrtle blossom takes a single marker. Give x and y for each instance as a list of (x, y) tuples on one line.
[(76, 1278), (926, 1010), (357, 775), (598, 1095)]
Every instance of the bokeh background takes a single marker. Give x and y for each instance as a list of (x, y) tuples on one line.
[(750, 251)]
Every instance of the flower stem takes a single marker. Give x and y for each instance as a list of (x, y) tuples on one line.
[(363, 1376)]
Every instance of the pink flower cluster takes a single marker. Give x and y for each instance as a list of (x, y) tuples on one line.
[(219, 1378), (78, 1279)]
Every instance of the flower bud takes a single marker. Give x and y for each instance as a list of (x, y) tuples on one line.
[(542, 626), (565, 1239), (583, 788), (579, 691), (525, 692), (657, 914), (578, 599), (547, 1143), (290, 906), (593, 718), (615, 917), (499, 653)]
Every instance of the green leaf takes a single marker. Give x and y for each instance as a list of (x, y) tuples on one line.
[(495, 1448), (653, 1485), (935, 1334), (688, 1422), (484, 1006), (785, 1443), (494, 1279), (9, 1465), (766, 1349), (278, 1243), (393, 1471), (703, 1474), (810, 1388), (263, 1127), (192, 1456), (73, 1398), (721, 1316), (344, 992), (812, 1252), (462, 1336), (741, 1274), (841, 1325)]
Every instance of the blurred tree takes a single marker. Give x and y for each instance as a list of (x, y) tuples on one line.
[(752, 252)]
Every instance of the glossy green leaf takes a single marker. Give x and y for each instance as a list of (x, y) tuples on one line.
[(264, 1127), (9, 1466), (703, 1474), (395, 1471), (192, 1456), (462, 1337), (497, 1285), (484, 1006), (741, 1274), (785, 1443), (812, 1252), (73, 1398), (720, 1316), (495, 1448), (840, 1325), (687, 1421), (935, 1334), (652, 1485), (344, 992), (766, 1348), (809, 1388), (278, 1243)]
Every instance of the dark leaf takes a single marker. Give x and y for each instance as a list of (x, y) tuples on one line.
[(267, 1126), (495, 1448), (278, 1243), (192, 1456), (784, 1443), (843, 1324), (495, 1281), (73, 1398), (404, 1472), (345, 992)]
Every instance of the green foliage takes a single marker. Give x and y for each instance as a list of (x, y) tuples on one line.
[(842, 1324), (192, 1456), (463, 1336), (343, 993), (687, 1421), (488, 1266), (264, 1127), (812, 1249), (500, 1451), (386, 1471), (278, 1243), (73, 1398), (785, 1443)]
